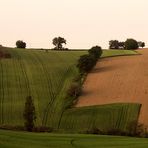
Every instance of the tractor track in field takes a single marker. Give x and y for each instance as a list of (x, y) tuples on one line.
[(118, 80)]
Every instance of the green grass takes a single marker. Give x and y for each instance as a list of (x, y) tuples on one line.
[(44, 76), (10, 139), (112, 53), (103, 117)]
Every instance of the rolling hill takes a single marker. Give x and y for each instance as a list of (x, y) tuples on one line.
[(120, 79), (46, 76)]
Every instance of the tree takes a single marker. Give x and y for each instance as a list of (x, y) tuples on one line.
[(74, 90), (121, 45), (131, 44), (86, 63), (96, 51), (29, 114), (114, 44), (58, 43), (141, 44), (20, 44)]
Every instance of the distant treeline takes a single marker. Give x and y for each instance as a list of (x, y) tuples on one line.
[(58, 42), (128, 44)]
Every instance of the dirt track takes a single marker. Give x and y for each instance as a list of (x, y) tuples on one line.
[(119, 79)]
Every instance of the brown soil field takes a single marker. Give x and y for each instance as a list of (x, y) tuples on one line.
[(121, 79)]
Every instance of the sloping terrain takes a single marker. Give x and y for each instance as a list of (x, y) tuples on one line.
[(118, 80), (46, 76), (43, 75), (103, 117)]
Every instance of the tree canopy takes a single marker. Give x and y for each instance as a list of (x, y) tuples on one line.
[(58, 43), (131, 44), (20, 44), (141, 44), (96, 51)]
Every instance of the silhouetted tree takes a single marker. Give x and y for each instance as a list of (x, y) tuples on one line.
[(121, 45), (20, 44), (29, 114), (114, 44), (131, 44), (58, 42), (141, 44), (96, 51)]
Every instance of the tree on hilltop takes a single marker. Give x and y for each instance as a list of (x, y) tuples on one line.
[(58, 43), (114, 44), (141, 44), (20, 44), (131, 44)]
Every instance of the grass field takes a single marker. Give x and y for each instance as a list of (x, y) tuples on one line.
[(112, 53), (103, 117), (10, 139), (45, 76)]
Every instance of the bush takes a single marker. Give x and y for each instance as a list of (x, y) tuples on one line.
[(42, 129), (86, 63), (94, 131), (137, 129), (29, 114), (74, 90), (115, 131), (96, 51), (131, 44), (20, 44)]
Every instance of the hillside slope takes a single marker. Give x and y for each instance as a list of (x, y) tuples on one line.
[(46, 76), (119, 79), (43, 75)]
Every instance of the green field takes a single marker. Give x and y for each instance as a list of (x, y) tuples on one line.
[(10, 139), (45, 76), (103, 117), (113, 53)]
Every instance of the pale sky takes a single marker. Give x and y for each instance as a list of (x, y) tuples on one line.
[(84, 23)]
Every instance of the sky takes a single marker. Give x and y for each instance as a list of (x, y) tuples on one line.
[(83, 23)]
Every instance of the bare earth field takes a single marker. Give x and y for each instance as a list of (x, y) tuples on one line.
[(119, 80)]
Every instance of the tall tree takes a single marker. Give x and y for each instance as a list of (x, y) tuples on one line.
[(58, 43), (29, 114)]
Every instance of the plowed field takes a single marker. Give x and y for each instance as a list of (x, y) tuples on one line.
[(119, 80)]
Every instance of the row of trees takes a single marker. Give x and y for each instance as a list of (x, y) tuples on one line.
[(128, 44), (113, 44), (88, 61), (85, 64), (57, 42)]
